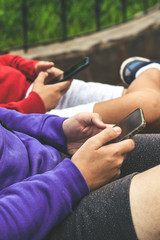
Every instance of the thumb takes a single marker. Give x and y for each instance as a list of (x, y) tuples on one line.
[(97, 121), (64, 86), (41, 77), (106, 136)]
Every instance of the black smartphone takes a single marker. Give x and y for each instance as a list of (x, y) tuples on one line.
[(68, 74), (130, 125)]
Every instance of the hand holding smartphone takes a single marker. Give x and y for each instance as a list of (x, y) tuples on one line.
[(68, 74)]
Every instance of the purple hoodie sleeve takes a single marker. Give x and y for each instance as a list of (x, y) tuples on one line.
[(29, 209), (44, 127)]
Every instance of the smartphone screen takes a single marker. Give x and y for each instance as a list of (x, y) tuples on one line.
[(68, 74), (131, 124)]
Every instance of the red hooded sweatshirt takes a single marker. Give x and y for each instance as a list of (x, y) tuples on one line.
[(16, 75)]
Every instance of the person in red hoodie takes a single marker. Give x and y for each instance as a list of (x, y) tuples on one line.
[(24, 88), (16, 76)]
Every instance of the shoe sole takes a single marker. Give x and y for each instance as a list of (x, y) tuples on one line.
[(129, 60)]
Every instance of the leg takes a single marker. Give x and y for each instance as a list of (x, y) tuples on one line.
[(145, 204), (145, 187), (106, 214), (82, 96), (69, 112), (144, 92), (81, 92), (149, 79), (145, 155), (103, 214)]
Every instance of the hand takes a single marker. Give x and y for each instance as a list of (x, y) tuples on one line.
[(79, 128), (42, 66), (101, 164), (50, 94), (53, 72)]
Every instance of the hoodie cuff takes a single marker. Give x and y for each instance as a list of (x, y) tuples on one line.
[(33, 104)]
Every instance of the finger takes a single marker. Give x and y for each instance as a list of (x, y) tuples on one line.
[(65, 83), (64, 86), (125, 145), (55, 71), (105, 136), (41, 77), (109, 125), (47, 64), (97, 121)]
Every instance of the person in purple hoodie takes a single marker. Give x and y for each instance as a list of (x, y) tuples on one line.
[(46, 196)]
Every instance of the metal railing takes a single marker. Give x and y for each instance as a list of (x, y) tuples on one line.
[(99, 13)]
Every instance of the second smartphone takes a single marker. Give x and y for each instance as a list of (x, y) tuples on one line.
[(68, 74)]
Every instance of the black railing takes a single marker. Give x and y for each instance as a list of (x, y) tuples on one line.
[(64, 19), (25, 25), (97, 14), (23, 30)]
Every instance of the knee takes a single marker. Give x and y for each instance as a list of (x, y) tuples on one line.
[(152, 73)]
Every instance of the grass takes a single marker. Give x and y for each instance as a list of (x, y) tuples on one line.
[(44, 21)]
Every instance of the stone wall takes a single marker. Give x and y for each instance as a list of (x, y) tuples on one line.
[(106, 58)]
